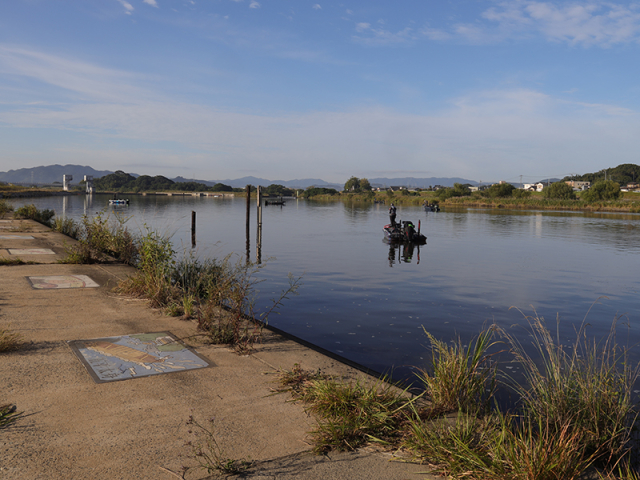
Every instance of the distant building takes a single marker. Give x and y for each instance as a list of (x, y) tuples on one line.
[(578, 186)]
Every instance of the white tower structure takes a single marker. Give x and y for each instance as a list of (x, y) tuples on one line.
[(66, 180), (89, 183)]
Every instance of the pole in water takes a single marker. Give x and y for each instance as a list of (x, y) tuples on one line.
[(193, 228), (248, 216), (259, 232)]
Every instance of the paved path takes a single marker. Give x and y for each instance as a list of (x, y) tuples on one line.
[(77, 429)]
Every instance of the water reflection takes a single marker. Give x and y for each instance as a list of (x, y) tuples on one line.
[(404, 252)]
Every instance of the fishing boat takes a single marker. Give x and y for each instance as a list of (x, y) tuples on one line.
[(404, 232), (119, 201)]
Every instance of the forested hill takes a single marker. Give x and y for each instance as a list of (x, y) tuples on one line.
[(622, 174), (124, 182)]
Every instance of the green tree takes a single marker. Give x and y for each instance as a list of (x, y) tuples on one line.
[(606, 190), (559, 190), (365, 186), (221, 187), (352, 185), (458, 190), (499, 190)]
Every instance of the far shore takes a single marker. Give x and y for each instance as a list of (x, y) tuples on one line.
[(629, 203)]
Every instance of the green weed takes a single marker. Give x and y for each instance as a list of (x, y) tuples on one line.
[(8, 415), (5, 207), (32, 212)]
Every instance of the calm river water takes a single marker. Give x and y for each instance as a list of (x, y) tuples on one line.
[(369, 302)]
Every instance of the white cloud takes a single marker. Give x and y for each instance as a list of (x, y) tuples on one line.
[(349, 12), (577, 23), (128, 8), (153, 3), (380, 36), (317, 7), (486, 134), (254, 4)]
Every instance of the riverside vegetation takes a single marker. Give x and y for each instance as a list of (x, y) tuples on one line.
[(218, 294), (575, 412)]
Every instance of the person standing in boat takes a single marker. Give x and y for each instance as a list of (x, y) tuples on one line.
[(392, 215)]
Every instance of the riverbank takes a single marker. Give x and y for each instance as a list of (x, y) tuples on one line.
[(73, 427)]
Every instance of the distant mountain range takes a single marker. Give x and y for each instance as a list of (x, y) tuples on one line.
[(53, 173), (49, 174)]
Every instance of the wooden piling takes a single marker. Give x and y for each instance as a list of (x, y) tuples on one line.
[(193, 228), (248, 217), (259, 232)]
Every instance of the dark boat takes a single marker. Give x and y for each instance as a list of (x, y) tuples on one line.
[(119, 202), (404, 232)]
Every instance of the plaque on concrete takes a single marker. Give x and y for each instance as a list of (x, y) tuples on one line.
[(62, 281), (31, 251), (133, 356)]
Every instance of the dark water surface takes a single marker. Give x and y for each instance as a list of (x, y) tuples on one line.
[(369, 302)]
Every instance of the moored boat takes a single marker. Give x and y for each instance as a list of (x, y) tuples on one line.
[(404, 232)]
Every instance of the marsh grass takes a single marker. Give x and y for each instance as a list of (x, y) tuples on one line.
[(217, 293), (349, 414), (586, 388), (574, 413), (208, 453), (99, 238), (9, 340), (461, 377)]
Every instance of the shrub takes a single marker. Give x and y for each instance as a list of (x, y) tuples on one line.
[(559, 190), (5, 207), (31, 212), (605, 190)]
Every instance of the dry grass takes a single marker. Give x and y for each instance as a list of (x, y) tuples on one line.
[(9, 340)]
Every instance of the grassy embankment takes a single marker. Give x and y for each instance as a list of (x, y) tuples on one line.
[(575, 412), (630, 202)]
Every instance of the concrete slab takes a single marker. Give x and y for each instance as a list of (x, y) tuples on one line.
[(129, 357), (62, 281)]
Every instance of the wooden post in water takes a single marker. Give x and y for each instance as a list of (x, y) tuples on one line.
[(259, 232), (248, 216), (193, 229)]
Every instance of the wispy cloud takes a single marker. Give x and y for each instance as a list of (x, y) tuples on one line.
[(379, 36), (153, 3), (594, 23), (254, 4), (317, 7), (128, 8), (482, 134)]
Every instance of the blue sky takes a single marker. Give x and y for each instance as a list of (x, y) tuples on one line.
[(284, 89)]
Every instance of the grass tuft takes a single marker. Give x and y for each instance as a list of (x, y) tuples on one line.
[(461, 378), (208, 453), (9, 340)]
